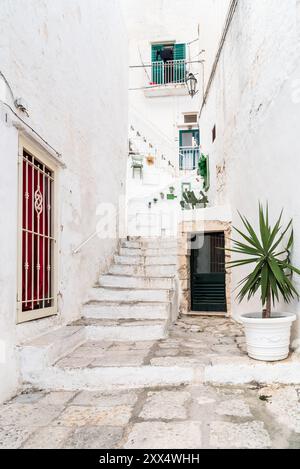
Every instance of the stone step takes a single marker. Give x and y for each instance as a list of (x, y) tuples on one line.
[(39, 353), (120, 281), (111, 377), (123, 329), (108, 371), (131, 244), (150, 244), (141, 260), (109, 365), (148, 252), (143, 271), (128, 295), (114, 310)]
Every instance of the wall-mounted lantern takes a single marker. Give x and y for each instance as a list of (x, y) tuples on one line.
[(191, 83)]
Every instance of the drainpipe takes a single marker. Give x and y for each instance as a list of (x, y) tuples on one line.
[(230, 15)]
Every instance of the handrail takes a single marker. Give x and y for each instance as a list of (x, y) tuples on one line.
[(78, 249), (163, 139)]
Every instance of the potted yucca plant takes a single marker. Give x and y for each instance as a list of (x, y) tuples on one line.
[(267, 333)]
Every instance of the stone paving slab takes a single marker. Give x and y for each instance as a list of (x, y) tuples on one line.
[(182, 418), (161, 435), (79, 416), (250, 435), (191, 342), (165, 405)]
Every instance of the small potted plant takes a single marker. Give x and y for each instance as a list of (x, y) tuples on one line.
[(150, 160), (267, 334)]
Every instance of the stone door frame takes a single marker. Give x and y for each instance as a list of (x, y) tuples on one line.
[(184, 274)]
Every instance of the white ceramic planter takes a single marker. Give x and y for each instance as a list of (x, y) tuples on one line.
[(268, 339)]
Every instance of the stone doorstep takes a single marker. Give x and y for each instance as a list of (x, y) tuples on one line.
[(117, 310)]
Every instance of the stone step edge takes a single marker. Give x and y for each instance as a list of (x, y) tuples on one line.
[(105, 378), (146, 265), (126, 303), (33, 356), (92, 322), (140, 266), (147, 252), (138, 277), (113, 287), (158, 376)]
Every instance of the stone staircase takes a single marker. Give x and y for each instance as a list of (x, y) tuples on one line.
[(133, 305), (126, 339), (134, 302)]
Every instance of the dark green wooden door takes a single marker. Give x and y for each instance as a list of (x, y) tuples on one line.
[(208, 293)]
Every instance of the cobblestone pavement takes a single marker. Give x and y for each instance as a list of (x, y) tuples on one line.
[(180, 417)]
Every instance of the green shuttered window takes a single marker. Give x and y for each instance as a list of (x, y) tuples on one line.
[(171, 71)]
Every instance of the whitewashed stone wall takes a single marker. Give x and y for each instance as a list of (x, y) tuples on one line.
[(255, 104), (68, 60), (211, 26)]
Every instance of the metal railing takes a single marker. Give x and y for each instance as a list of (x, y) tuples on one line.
[(188, 158), (164, 73)]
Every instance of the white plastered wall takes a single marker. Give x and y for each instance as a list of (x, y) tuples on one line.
[(60, 56), (254, 103)]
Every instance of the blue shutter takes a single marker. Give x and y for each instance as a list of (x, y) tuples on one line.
[(179, 51), (157, 69), (180, 68)]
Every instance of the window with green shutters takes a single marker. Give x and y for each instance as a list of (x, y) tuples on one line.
[(171, 71)]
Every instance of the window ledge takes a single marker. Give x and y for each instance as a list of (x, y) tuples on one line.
[(173, 89)]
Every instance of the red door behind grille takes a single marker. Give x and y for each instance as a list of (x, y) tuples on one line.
[(36, 235)]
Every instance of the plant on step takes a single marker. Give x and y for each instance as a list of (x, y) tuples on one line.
[(203, 170), (272, 272)]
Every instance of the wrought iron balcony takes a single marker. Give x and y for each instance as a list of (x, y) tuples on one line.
[(165, 73), (189, 158)]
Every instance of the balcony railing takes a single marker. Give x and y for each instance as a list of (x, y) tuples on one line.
[(164, 73), (188, 158)]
